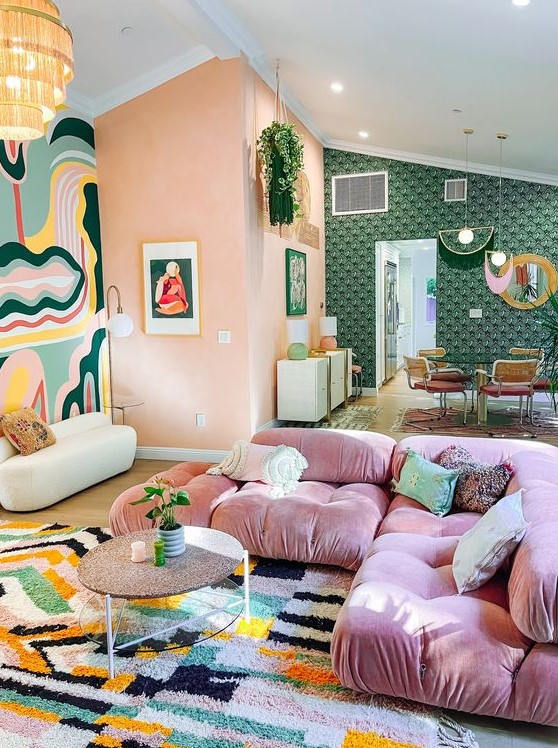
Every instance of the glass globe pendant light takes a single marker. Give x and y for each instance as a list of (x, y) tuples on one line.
[(466, 236), (498, 257)]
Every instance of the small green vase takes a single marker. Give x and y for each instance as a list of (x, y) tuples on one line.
[(297, 352)]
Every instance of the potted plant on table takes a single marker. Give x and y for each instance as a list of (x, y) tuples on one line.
[(166, 498)]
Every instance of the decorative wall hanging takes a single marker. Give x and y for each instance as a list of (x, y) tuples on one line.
[(462, 247), (532, 280), (280, 150), (171, 288), (295, 266)]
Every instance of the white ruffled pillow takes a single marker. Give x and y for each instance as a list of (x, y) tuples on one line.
[(280, 467)]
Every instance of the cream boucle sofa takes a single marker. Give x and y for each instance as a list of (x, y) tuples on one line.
[(88, 449)]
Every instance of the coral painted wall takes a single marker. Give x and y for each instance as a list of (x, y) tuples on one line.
[(52, 334), (266, 254), (178, 163)]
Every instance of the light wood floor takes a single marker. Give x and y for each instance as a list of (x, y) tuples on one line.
[(91, 507)]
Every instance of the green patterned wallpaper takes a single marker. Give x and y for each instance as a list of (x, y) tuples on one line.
[(417, 211)]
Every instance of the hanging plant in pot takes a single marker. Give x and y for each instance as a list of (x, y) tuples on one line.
[(280, 150), (166, 498)]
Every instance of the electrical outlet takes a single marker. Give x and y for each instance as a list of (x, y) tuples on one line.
[(200, 419), (224, 336), (475, 313)]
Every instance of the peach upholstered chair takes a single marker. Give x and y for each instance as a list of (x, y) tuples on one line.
[(421, 377), (512, 378)]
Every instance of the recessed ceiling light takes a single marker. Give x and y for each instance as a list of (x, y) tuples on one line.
[(457, 111), (521, 3), (362, 134), (125, 30), (337, 87)]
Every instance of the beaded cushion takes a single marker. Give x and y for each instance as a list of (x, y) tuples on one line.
[(27, 431), (479, 485)]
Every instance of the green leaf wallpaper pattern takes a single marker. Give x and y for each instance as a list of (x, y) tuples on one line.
[(417, 211)]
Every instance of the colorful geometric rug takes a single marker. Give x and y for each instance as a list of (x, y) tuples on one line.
[(264, 685), (354, 417), (425, 420)]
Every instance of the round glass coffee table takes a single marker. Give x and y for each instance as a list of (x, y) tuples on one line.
[(188, 600)]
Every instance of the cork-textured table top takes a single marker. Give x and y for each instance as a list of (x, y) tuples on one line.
[(210, 556)]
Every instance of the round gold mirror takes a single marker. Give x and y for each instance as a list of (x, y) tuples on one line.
[(534, 278)]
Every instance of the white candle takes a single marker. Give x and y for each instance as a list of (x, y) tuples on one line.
[(138, 550)]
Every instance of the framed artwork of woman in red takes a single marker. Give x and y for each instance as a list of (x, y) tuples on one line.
[(171, 288)]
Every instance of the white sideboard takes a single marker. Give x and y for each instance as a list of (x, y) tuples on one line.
[(302, 389)]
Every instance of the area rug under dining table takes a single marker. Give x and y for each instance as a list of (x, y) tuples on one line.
[(425, 420), (267, 684)]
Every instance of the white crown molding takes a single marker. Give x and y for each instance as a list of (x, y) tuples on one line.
[(177, 454), (154, 78), (228, 24), (442, 163), (80, 103)]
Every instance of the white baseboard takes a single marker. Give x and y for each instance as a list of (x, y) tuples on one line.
[(177, 454), (370, 391), (273, 424)]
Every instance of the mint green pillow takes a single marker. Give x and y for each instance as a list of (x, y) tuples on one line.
[(430, 484)]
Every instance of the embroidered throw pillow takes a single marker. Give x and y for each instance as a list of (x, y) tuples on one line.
[(27, 431), (479, 485), (482, 550), (280, 467), (430, 484)]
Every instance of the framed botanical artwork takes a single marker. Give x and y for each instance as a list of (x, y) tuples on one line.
[(295, 265), (171, 288)]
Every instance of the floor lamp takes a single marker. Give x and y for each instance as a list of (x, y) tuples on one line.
[(119, 325)]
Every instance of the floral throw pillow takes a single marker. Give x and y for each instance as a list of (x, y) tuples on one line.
[(479, 485), (27, 431)]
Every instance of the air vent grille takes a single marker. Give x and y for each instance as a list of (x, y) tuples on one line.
[(455, 190), (360, 193)]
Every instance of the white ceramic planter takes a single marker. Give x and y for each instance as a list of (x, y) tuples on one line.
[(174, 542)]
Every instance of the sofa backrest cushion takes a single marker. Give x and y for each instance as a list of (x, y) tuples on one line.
[(533, 583), (79, 424), (337, 456), (493, 451)]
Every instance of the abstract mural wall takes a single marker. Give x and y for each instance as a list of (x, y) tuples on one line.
[(52, 318)]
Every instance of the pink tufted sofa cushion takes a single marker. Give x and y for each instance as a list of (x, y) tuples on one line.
[(337, 456), (403, 631), (533, 585), (323, 523), (333, 515), (205, 491)]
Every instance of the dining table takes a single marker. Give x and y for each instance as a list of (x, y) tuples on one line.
[(481, 360)]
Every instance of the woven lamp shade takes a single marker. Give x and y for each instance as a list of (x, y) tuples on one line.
[(36, 63)]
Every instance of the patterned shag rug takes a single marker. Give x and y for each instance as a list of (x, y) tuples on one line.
[(264, 685), (425, 420), (353, 417)]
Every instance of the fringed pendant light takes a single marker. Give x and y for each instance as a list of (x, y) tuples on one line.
[(36, 64)]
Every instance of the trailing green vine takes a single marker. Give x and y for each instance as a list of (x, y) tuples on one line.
[(281, 155)]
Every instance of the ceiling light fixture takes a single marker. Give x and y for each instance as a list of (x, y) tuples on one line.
[(337, 87), (362, 134), (466, 236), (37, 64), (498, 257), (521, 3)]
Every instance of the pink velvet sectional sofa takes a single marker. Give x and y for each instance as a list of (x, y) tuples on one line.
[(404, 630)]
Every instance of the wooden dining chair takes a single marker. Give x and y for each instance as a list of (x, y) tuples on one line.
[(542, 383), (421, 377), (441, 369), (512, 378)]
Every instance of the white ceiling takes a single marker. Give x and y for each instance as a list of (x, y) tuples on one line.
[(405, 65)]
